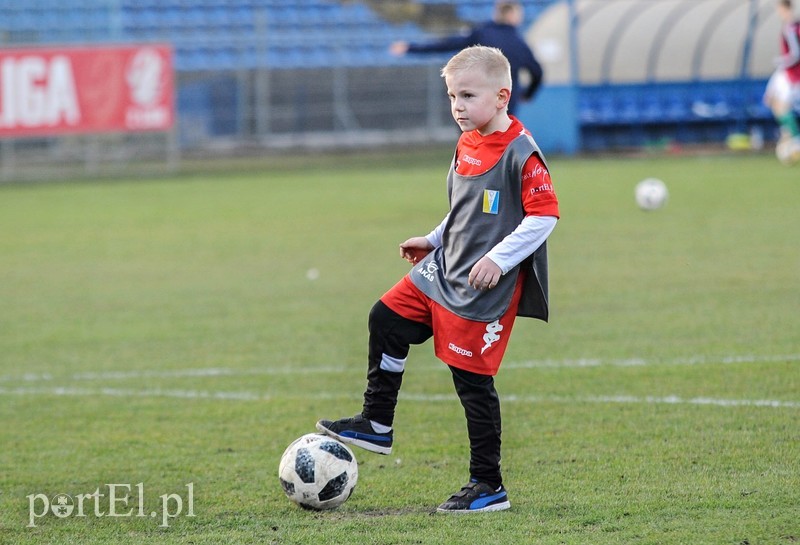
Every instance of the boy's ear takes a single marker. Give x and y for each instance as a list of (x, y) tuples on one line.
[(503, 96)]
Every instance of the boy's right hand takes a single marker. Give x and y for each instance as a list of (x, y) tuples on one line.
[(414, 249)]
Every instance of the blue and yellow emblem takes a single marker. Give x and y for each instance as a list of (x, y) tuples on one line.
[(491, 201)]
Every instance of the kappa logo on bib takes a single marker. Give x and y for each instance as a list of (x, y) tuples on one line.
[(491, 201)]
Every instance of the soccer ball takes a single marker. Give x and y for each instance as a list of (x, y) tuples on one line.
[(651, 194), (318, 472)]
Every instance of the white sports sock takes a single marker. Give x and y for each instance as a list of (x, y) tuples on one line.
[(380, 428)]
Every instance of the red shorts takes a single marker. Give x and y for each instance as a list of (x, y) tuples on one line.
[(466, 344)]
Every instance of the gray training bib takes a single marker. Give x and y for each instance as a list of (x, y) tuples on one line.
[(484, 209)]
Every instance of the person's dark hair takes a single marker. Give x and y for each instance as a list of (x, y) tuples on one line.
[(503, 8)]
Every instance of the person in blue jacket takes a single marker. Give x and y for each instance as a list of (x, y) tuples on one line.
[(501, 32)]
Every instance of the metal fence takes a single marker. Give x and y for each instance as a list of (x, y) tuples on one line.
[(224, 113), (337, 104)]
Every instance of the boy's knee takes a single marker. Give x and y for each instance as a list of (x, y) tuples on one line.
[(384, 322), (380, 314), (382, 319)]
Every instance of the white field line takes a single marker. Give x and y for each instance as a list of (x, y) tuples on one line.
[(298, 370), (419, 398), (640, 362), (648, 400), (177, 373), (32, 383), (130, 392)]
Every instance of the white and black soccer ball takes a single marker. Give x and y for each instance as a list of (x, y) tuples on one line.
[(318, 472), (651, 194)]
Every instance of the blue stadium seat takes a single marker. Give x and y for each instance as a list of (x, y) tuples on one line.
[(607, 110), (591, 107), (756, 107), (652, 108), (676, 108), (627, 107)]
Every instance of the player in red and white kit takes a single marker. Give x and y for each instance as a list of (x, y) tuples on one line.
[(485, 264), (783, 89)]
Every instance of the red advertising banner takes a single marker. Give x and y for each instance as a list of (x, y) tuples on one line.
[(51, 91)]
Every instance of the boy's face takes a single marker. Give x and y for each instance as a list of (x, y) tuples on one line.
[(476, 103)]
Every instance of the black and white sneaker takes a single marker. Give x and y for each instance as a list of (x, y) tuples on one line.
[(476, 497), (357, 431)]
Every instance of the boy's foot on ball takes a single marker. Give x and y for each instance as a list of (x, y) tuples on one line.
[(359, 432)]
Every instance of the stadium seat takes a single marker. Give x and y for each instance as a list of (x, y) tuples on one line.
[(676, 108), (627, 108), (756, 107), (587, 110), (652, 108)]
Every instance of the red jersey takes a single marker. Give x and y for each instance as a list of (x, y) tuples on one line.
[(476, 154), (790, 50)]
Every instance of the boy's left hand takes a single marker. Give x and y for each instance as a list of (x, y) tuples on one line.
[(485, 274)]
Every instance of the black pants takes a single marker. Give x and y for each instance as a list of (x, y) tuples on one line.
[(390, 338)]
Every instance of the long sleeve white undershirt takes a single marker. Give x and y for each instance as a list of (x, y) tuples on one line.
[(516, 246)]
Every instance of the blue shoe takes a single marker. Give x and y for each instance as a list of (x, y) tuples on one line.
[(476, 497), (357, 431)]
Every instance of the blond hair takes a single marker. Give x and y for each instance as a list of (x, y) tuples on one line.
[(489, 61)]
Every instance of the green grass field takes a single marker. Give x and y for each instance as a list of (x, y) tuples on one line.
[(166, 332)]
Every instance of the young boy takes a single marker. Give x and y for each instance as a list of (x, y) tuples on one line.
[(483, 265)]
